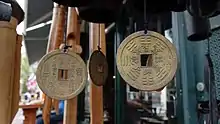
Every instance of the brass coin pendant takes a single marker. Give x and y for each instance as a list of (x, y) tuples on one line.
[(61, 75), (147, 61), (98, 68)]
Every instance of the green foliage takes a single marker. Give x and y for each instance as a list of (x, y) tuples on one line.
[(25, 71)]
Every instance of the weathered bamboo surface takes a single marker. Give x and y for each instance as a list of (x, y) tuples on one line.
[(7, 53), (73, 39), (55, 104), (97, 32), (55, 39), (16, 82)]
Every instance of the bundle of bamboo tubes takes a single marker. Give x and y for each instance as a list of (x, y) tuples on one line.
[(73, 38)]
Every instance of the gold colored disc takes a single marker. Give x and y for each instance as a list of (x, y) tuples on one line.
[(147, 61), (98, 68), (61, 75)]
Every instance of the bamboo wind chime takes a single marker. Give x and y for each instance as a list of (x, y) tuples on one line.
[(56, 37), (70, 69)]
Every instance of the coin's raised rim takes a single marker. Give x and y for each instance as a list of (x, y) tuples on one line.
[(173, 67), (40, 66)]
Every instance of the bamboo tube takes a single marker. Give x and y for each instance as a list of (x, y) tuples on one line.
[(56, 106), (96, 92), (16, 82), (14, 22), (55, 39), (7, 53), (73, 39)]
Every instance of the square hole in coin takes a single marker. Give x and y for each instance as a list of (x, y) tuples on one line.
[(62, 74), (100, 68), (146, 60)]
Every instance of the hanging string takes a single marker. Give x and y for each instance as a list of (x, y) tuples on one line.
[(145, 16), (99, 39), (66, 46)]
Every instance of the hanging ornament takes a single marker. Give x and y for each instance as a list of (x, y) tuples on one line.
[(98, 66), (147, 61), (61, 74)]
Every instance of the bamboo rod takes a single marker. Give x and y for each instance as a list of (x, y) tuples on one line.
[(16, 82), (55, 39), (73, 39), (56, 106), (13, 22), (7, 53), (96, 92)]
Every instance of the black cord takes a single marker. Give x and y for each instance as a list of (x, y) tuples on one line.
[(145, 17), (66, 46), (99, 39)]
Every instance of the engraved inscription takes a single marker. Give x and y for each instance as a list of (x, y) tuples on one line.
[(79, 71), (134, 60), (54, 69), (45, 75), (62, 75), (156, 49), (144, 47), (50, 86), (132, 47), (125, 60), (72, 74), (134, 73), (146, 61), (158, 59), (131, 75)]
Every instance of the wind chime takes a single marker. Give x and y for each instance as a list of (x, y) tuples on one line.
[(62, 73), (146, 60)]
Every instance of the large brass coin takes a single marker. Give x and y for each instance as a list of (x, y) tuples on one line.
[(147, 61), (98, 68), (61, 75)]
